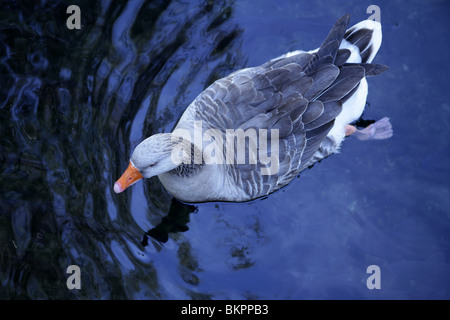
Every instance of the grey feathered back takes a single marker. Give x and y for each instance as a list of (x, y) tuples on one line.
[(301, 95)]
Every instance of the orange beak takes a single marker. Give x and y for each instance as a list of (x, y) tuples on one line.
[(130, 176)]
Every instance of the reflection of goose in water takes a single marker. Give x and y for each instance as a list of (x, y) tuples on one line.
[(310, 97), (175, 221)]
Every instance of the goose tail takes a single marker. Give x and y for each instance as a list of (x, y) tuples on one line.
[(363, 40)]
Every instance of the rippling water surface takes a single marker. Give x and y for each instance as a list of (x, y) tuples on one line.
[(75, 103)]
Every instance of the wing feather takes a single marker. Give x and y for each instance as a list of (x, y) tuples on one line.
[(299, 95)]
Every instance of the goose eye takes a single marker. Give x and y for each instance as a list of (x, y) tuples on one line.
[(152, 165)]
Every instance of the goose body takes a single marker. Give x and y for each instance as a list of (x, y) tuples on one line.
[(304, 101)]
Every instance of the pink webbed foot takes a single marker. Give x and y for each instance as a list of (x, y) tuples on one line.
[(382, 129)]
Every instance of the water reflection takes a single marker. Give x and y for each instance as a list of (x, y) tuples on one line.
[(175, 221), (74, 104)]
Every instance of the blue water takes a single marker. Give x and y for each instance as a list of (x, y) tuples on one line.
[(75, 103)]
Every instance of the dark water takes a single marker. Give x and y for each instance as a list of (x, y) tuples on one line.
[(75, 103)]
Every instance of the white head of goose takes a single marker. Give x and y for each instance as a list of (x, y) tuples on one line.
[(284, 115)]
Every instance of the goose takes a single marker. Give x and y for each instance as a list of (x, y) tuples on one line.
[(284, 115)]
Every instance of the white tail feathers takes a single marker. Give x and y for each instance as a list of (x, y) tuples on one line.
[(363, 40)]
